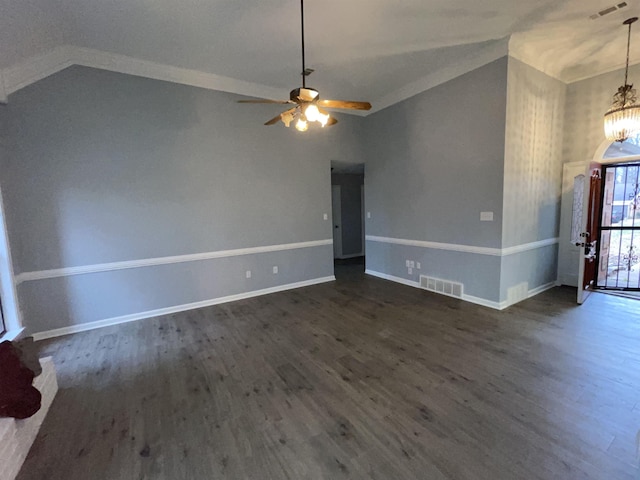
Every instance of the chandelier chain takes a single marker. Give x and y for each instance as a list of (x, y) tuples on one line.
[(626, 70)]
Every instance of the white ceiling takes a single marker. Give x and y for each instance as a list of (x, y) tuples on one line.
[(361, 49)]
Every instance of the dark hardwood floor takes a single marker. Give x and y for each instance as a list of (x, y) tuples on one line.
[(358, 379)]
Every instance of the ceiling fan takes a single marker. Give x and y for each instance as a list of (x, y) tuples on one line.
[(308, 104)]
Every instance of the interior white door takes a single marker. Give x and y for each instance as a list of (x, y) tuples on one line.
[(336, 213), (573, 175)]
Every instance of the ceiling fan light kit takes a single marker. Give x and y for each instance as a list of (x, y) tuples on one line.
[(308, 105), (623, 117)]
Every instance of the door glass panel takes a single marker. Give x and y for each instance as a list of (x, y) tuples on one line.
[(576, 215)]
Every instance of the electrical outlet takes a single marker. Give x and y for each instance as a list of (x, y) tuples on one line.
[(410, 270), (407, 263), (412, 264), (418, 265), (275, 269), (248, 274)]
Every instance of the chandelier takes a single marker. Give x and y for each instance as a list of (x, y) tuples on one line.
[(623, 118)]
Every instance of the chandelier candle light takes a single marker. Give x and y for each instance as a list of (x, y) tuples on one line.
[(623, 118)]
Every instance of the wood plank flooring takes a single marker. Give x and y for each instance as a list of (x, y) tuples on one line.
[(357, 379)]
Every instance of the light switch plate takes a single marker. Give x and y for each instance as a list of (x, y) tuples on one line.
[(486, 216), (248, 274), (368, 214), (325, 216), (275, 269)]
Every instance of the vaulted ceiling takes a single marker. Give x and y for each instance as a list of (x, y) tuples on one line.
[(360, 49)]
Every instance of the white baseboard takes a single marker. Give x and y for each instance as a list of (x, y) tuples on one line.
[(531, 293), (467, 298), (542, 288), (482, 301), (175, 309), (385, 276), (410, 283)]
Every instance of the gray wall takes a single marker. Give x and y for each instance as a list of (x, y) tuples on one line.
[(434, 162), (104, 167), (351, 209), (100, 167)]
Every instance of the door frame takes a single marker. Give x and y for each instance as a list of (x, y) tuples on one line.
[(598, 157), (336, 220), (8, 289), (568, 252), (623, 164)]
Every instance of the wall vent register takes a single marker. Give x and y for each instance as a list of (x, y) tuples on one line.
[(444, 287)]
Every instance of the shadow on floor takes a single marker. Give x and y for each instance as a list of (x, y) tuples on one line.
[(348, 268)]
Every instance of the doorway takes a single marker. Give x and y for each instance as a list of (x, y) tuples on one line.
[(619, 245), (347, 205), (607, 218)]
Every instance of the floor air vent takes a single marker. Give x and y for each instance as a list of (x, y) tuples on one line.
[(445, 287)]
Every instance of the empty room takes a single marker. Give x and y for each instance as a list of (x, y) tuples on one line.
[(303, 239)]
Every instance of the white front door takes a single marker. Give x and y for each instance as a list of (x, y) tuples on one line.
[(573, 175)]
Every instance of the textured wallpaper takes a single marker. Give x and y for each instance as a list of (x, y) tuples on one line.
[(587, 102), (533, 155)]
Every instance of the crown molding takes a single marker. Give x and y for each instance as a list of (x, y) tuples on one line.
[(87, 57), (41, 66), (516, 51), (459, 67), (38, 67)]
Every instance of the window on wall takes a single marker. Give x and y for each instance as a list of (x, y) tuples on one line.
[(629, 148)]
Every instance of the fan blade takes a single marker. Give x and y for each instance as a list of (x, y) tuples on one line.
[(331, 121), (344, 104), (277, 118), (273, 121), (282, 102)]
